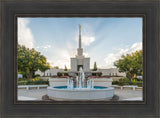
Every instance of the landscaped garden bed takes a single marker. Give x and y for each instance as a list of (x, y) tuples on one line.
[(127, 81), (34, 81)]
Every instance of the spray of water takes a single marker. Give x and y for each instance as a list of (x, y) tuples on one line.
[(80, 82)]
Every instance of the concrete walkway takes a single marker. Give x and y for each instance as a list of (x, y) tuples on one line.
[(23, 98), (128, 94), (137, 99)]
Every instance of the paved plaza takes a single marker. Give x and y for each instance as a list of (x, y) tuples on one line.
[(35, 94)]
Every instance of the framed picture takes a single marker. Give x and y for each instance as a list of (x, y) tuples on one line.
[(80, 59), (70, 74)]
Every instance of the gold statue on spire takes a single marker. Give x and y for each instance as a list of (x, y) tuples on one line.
[(79, 27)]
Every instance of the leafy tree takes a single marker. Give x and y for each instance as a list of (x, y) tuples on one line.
[(56, 67), (95, 66), (44, 68), (29, 61), (65, 68), (131, 64)]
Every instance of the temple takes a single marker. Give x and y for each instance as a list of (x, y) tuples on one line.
[(80, 60)]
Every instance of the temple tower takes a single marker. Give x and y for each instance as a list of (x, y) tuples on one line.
[(80, 50), (80, 60)]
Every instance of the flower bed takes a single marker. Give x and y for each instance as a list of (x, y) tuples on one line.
[(34, 81), (100, 77), (61, 76), (126, 81)]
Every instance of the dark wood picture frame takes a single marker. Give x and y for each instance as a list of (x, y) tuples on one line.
[(148, 10), (143, 101)]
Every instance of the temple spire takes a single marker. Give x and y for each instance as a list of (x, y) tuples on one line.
[(79, 50), (79, 36)]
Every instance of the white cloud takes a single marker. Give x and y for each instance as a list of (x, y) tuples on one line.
[(86, 40), (25, 36), (86, 54), (47, 46), (112, 57), (43, 48), (61, 59), (50, 62)]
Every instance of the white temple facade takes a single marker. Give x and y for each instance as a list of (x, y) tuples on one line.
[(80, 60)]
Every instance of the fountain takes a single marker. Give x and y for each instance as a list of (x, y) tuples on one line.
[(83, 89), (80, 82)]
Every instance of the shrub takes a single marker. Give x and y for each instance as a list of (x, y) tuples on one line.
[(99, 74), (136, 79), (21, 82), (59, 74), (139, 84), (22, 79), (130, 83), (39, 82), (121, 84), (65, 74), (93, 74), (29, 82), (34, 81), (126, 81), (115, 82), (37, 75)]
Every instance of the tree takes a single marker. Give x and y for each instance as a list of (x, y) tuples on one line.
[(29, 61), (44, 68), (56, 67), (95, 66), (131, 64), (65, 68)]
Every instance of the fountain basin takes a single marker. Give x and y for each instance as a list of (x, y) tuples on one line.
[(62, 92)]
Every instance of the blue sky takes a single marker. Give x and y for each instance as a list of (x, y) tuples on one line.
[(104, 40)]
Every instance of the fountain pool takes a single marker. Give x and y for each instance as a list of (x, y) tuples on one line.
[(81, 89)]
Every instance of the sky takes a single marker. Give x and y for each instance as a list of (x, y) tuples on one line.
[(104, 40)]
